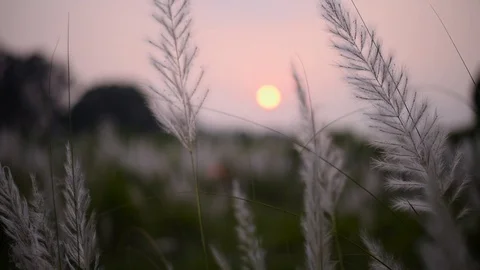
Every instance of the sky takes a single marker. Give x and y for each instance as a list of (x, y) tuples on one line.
[(244, 44)]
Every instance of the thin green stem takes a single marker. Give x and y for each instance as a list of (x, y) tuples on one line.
[(367, 252), (337, 242), (199, 206), (50, 159), (331, 123), (447, 92), (153, 245), (252, 201), (71, 143), (252, 179), (149, 260), (453, 43)]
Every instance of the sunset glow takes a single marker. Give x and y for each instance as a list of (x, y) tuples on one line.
[(268, 97)]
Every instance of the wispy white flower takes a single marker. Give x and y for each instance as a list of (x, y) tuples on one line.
[(80, 241), (380, 259), (253, 255), (323, 184), (25, 226), (413, 144), (220, 258), (177, 111)]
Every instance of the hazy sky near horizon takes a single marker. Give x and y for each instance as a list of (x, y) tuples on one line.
[(244, 44)]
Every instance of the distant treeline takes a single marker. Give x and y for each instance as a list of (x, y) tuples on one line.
[(31, 90), (473, 131)]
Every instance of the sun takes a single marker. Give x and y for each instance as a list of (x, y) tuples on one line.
[(268, 97)]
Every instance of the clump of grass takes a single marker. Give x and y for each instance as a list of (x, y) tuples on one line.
[(24, 226), (413, 144), (30, 227)]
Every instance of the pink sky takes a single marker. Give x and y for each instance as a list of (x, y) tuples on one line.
[(245, 44)]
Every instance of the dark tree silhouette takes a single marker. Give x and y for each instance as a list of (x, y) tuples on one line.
[(472, 131), (30, 90), (121, 105), (476, 100)]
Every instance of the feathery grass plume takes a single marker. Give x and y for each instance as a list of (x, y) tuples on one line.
[(323, 185), (39, 216), (445, 249), (29, 249), (80, 243), (177, 113), (220, 258), (380, 259), (253, 255), (413, 144)]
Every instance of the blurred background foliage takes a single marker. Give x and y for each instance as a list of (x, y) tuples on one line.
[(143, 194)]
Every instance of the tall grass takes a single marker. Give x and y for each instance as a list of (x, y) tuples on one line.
[(80, 232), (323, 185), (30, 227), (178, 112), (426, 184), (253, 255), (412, 142)]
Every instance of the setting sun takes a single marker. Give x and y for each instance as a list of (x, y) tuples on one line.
[(268, 97)]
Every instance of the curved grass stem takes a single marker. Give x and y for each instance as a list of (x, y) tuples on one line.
[(337, 241), (193, 161)]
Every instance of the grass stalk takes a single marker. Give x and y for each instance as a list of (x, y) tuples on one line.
[(50, 165), (175, 68), (70, 134), (194, 164), (337, 241), (453, 42)]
